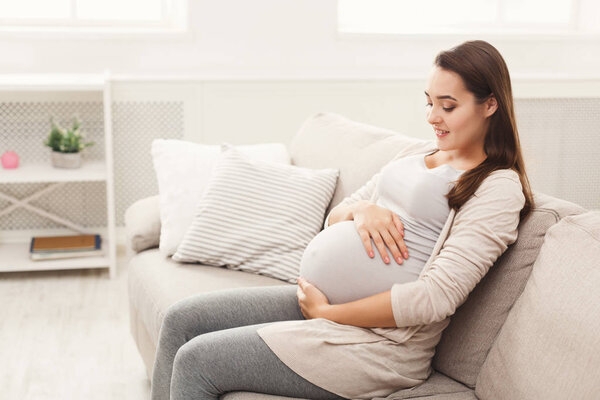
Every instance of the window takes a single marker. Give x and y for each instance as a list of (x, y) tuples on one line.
[(468, 16), (81, 15)]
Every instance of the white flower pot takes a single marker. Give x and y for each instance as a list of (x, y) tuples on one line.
[(66, 160)]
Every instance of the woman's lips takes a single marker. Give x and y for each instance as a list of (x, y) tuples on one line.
[(441, 133)]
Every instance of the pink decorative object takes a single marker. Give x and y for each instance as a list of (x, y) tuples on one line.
[(10, 159)]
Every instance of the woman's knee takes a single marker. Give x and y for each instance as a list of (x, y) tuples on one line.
[(172, 318), (177, 326), (191, 355), (191, 370)]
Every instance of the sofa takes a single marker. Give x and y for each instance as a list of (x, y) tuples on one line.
[(529, 330)]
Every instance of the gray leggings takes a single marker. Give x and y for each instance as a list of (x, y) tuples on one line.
[(208, 346)]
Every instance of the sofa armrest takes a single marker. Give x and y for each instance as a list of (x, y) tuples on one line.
[(142, 224)]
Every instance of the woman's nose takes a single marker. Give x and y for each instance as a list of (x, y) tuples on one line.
[(433, 117)]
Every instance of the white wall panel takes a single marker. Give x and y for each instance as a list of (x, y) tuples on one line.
[(278, 38), (251, 112), (557, 121)]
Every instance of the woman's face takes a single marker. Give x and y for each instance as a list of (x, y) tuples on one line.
[(458, 122)]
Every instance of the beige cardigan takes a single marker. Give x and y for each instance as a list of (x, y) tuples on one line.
[(362, 363)]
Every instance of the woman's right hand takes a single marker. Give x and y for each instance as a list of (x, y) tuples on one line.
[(384, 226)]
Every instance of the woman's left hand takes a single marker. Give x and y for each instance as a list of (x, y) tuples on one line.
[(313, 303)]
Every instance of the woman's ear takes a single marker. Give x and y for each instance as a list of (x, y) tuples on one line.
[(491, 105)]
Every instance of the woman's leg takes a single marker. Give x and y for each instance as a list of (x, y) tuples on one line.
[(214, 311), (236, 359)]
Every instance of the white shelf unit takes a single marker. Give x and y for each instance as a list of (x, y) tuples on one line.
[(14, 256), (41, 172)]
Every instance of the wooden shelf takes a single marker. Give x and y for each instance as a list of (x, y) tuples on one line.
[(42, 172), (15, 257)]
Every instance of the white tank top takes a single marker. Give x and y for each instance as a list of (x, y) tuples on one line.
[(336, 260), (417, 194)]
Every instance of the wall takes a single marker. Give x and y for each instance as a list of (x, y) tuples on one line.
[(250, 72), (277, 38)]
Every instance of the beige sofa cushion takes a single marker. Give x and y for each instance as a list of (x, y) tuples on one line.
[(156, 282), (549, 347), (358, 150), (473, 328), (437, 387)]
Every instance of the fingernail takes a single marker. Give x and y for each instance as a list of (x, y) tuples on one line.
[(406, 255), (399, 259), (371, 254), (387, 260)]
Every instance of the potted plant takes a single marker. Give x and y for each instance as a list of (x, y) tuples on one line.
[(66, 144)]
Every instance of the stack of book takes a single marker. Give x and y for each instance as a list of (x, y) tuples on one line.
[(54, 247)]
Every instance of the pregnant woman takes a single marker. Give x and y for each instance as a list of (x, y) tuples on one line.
[(411, 196), (359, 325)]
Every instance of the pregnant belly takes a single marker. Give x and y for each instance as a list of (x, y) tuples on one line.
[(336, 262)]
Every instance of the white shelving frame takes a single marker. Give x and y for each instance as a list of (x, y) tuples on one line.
[(14, 256)]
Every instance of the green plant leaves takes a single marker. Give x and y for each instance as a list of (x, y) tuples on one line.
[(66, 141)]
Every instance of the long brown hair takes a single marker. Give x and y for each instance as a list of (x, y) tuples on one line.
[(484, 73)]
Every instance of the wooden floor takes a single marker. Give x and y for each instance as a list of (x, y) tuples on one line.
[(65, 335)]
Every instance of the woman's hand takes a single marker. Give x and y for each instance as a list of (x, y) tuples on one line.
[(313, 302), (384, 226)]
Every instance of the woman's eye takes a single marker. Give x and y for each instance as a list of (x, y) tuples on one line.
[(444, 108)]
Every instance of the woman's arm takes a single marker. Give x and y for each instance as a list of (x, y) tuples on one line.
[(343, 210), (372, 311), (482, 230)]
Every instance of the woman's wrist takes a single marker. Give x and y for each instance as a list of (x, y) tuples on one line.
[(326, 311), (357, 206), (338, 214), (345, 213)]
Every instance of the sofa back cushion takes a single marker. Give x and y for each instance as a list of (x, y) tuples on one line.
[(549, 347), (358, 150), (465, 343)]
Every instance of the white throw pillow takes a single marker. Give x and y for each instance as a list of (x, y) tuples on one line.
[(258, 216), (183, 169)]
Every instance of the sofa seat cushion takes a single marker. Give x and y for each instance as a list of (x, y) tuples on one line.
[(156, 282), (468, 338), (549, 347), (437, 387), (254, 396)]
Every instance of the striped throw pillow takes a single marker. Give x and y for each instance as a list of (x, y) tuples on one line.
[(257, 216)]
